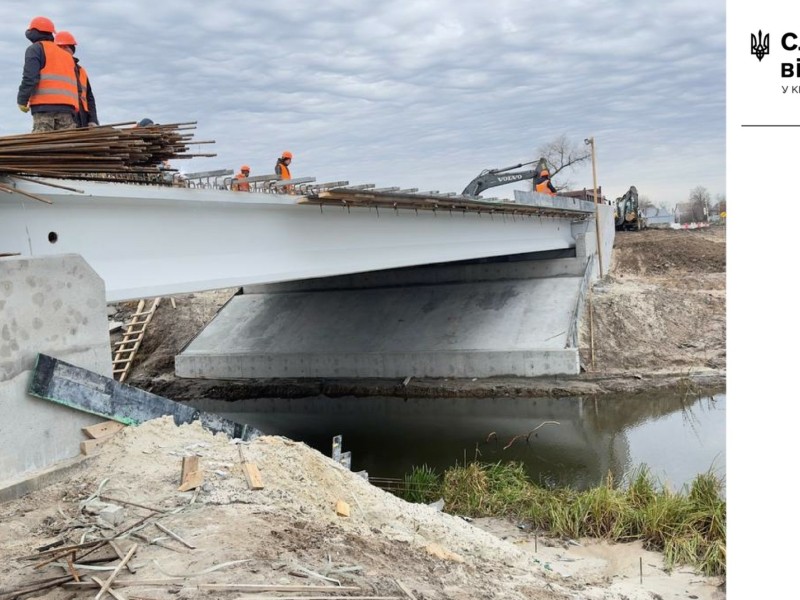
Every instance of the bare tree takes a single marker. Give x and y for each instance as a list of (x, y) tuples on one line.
[(645, 202), (563, 155), (699, 198), (721, 204)]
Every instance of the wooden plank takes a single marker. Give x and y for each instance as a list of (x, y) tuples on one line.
[(191, 473), (192, 481), (102, 429), (251, 472), (113, 593), (189, 464), (115, 572), (89, 447), (62, 383), (253, 476), (174, 535), (118, 551)]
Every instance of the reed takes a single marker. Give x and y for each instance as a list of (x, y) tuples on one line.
[(422, 485), (688, 526)]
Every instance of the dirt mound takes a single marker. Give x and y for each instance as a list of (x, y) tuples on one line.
[(668, 251), (662, 306), (287, 530)]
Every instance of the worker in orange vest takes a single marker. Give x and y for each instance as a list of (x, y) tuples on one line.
[(49, 87), (282, 165), (244, 173), (87, 109), (543, 185)]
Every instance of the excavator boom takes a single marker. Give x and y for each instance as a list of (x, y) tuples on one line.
[(494, 177)]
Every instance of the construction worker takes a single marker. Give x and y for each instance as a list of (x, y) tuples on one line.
[(542, 183), (282, 166), (244, 173), (49, 87), (87, 110)]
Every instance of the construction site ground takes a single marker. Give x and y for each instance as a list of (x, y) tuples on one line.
[(657, 319)]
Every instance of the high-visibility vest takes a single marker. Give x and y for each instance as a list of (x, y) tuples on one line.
[(57, 81), (284, 171), (543, 188), (241, 187), (84, 84)]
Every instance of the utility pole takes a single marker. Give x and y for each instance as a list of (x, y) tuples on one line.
[(590, 142)]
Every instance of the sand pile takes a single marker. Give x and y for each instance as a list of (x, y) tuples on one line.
[(287, 533)]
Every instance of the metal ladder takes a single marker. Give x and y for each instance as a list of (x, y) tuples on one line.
[(132, 339)]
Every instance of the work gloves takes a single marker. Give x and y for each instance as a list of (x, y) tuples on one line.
[(24, 107)]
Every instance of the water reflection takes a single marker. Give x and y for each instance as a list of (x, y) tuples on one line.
[(566, 441)]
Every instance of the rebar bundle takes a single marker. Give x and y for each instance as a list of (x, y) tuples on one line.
[(121, 152)]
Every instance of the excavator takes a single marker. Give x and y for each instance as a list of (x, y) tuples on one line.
[(626, 211), (493, 177)]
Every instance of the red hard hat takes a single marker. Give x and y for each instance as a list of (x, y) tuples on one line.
[(43, 24), (286, 154), (245, 168), (65, 38)]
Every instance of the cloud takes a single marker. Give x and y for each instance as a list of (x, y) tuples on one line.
[(415, 94)]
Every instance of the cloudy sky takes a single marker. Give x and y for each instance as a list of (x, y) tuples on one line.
[(415, 93)]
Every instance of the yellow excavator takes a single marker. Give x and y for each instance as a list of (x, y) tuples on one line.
[(626, 211)]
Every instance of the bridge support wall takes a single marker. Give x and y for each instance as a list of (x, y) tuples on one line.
[(54, 305)]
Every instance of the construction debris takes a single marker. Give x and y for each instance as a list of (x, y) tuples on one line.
[(119, 152), (253, 540), (251, 472), (191, 473), (84, 390)]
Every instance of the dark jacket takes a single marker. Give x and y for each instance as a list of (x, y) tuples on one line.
[(34, 63), (85, 118), (542, 179), (281, 170)]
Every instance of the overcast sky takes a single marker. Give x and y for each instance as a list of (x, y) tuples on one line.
[(415, 93)]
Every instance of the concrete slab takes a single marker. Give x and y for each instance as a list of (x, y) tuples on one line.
[(482, 329)]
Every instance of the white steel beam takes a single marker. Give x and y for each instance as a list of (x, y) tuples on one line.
[(149, 241)]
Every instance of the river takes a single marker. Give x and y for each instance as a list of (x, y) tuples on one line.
[(561, 441)]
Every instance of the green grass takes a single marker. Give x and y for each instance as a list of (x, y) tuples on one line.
[(422, 485), (688, 527)]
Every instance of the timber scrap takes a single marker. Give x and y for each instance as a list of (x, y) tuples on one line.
[(412, 200)]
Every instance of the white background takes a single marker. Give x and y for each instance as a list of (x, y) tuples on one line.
[(763, 168)]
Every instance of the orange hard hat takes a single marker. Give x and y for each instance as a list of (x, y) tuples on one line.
[(43, 24), (245, 168), (65, 38), (286, 154)]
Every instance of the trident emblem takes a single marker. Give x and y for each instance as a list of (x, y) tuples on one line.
[(759, 46)]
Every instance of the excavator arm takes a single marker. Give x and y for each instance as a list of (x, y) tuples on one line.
[(493, 177)]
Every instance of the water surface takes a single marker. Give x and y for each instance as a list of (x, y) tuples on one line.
[(560, 441)]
